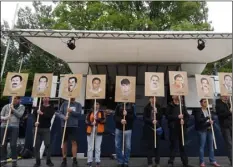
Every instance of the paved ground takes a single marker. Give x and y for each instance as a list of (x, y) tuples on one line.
[(134, 162)]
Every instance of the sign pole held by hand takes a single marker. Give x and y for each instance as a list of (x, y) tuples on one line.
[(123, 141), (155, 109), (7, 123), (37, 120), (215, 146), (182, 126), (64, 131), (231, 103), (94, 114)]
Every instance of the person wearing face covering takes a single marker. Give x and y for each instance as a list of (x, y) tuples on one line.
[(17, 111)]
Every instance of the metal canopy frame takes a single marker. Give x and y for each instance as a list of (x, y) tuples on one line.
[(117, 34)]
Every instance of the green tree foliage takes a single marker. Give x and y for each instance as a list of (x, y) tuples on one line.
[(132, 16), (101, 15)]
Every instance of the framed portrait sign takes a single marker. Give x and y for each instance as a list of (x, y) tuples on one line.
[(96, 86), (204, 86), (154, 84), (178, 82), (71, 85), (125, 89), (225, 83), (42, 85), (15, 84)]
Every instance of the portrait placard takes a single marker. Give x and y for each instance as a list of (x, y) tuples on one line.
[(204, 86), (178, 82), (125, 89), (225, 83), (71, 85), (96, 85), (15, 84), (42, 85), (154, 84)]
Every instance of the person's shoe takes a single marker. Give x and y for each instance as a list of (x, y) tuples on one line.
[(202, 164), (75, 163), (37, 164), (126, 165), (14, 164), (97, 164), (157, 165), (215, 164), (64, 163), (49, 162), (89, 164)]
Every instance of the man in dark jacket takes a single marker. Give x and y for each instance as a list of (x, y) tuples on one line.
[(224, 112), (120, 113), (43, 133), (203, 127), (175, 119), (148, 130)]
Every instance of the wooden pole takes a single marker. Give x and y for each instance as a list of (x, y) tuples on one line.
[(7, 123), (94, 113), (155, 109), (37, 120), (182, 126), (215, 146), (123, 141), (231, 103), (64, 131)]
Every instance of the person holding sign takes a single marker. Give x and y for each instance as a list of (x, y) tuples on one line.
[(148, 130), (74, 112), (17, 111), (175, 119), (127, 111), (224, 112), (43, 133), (95, 120), (202, 125)]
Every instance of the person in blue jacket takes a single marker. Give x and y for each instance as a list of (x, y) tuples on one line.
[(74, 110)]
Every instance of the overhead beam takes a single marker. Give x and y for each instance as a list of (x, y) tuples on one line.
[(117, 34)]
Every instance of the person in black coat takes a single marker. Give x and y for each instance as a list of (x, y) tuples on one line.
[(175, 119), (203, 128), (148, 130), (224, 112)]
